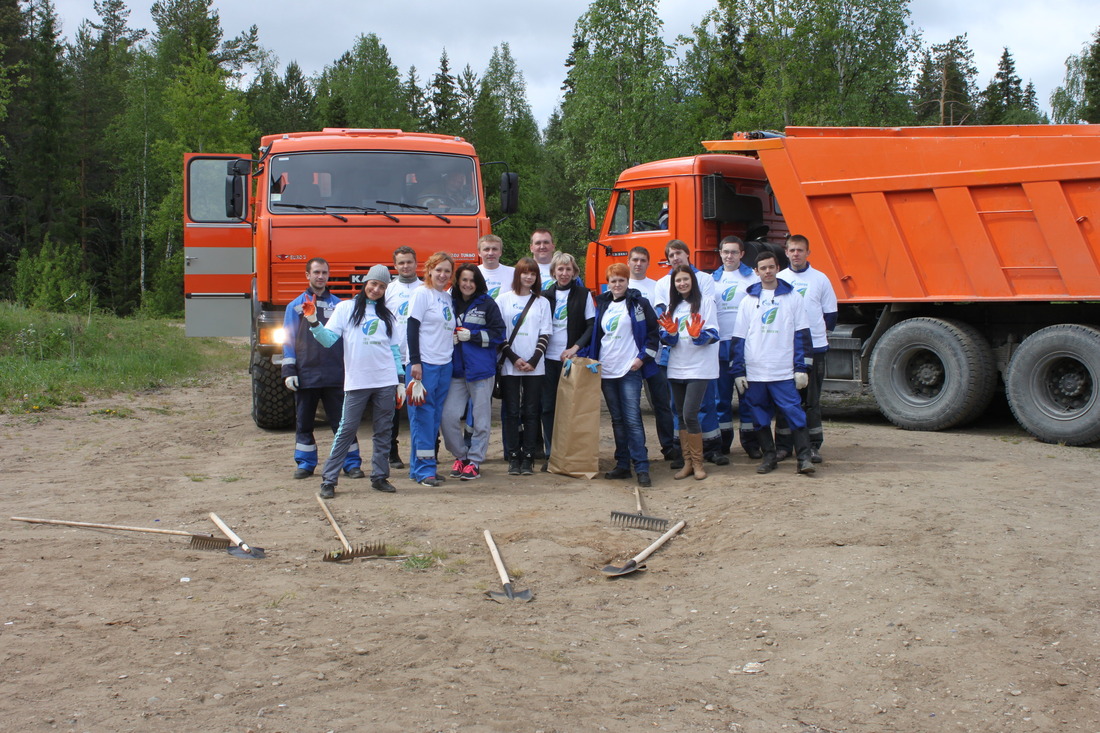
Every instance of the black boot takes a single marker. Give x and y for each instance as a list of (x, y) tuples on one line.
[(726, 441), (802, 450), (767, 449), (712, 451), (676, 455)]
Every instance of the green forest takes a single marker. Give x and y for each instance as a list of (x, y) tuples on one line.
[(93, 128)]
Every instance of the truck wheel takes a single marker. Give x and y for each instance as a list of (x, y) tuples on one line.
[(932, 374), (1052, 383), (272, 402)]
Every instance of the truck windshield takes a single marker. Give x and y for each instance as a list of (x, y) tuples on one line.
[(351, 182)]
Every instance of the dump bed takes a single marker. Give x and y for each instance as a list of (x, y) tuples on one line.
[(1009, 213)]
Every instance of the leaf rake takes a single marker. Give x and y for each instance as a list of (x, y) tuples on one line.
[(198, 541), (639, 520), (347, 552)]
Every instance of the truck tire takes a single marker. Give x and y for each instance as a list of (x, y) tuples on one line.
[(272, 402), (932, 374), (1052, 384)]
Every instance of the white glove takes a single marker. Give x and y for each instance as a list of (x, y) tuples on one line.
[(291, 383), (399, 401), (462, 334), (801, 380), (741, 383), (418, 395)]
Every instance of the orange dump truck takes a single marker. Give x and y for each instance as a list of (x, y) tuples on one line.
[(349, 196), (964, 258)]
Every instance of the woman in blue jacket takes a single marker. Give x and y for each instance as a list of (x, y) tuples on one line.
[(479, 331), (624, 340)]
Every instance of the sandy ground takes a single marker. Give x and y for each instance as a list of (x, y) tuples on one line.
[(920, 582)]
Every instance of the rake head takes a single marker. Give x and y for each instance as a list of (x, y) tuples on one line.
[(639, 521), (203, 542), (371, 550)]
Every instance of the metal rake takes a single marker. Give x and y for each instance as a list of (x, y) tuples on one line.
[(639, 520), (347, 552)]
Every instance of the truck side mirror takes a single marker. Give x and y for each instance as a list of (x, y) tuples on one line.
[(234, 196), (591, 211), (509, 193)]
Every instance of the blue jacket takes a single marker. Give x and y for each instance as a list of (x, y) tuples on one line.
[(305, 358), (802, 342), (643, 322), (476, 359)]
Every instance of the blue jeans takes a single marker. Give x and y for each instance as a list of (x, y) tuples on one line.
[(624, 402), (424, 420)]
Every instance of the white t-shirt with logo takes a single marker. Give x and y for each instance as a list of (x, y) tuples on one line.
[(768, 325), (818, 297), (368, 356), (499, 281), (686, 360), (559, 339), (547, 278), (398, 295), (435, 312), (535, 323), (646, 286), (617, 346), (728, 294), (663, 288)]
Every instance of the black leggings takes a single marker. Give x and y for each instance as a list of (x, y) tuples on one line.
[(520, 400), (687, 395)]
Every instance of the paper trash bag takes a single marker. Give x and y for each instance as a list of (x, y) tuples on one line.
[(576, 448)]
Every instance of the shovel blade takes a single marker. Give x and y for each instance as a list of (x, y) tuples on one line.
[(509, 594), (611, 571), (252, 553)]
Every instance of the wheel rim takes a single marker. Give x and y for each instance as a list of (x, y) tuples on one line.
[(919, 376), (1063, 386)]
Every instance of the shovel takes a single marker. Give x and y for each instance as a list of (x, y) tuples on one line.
[(239, 548), (509, 593), (633, 563)]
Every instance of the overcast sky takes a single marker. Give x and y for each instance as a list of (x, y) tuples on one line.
[(1040, 35)]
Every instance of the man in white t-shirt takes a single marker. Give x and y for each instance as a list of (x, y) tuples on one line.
[(542, 250), (498, 277), (771, 342), (656, 385), (398, 294), (731, 281)]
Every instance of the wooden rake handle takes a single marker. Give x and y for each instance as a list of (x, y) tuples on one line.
[(94, 525), (660, 541), (332, 521), (229, 533), (501, 570)]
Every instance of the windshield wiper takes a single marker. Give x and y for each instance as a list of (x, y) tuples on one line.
[(414, 207), (369, 210), (308, 207)]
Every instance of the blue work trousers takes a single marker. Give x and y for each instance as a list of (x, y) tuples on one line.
[(305, 407), (424, 420)]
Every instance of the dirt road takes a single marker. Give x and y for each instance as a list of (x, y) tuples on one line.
[(920, 582)]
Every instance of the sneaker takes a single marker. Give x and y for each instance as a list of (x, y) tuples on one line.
[(354, 472), (526, 467), (328, 491), (470, 472), (643, 480), (513, 467), (815, 456), (618, 472), (545, 467), (381, 484), (430, 481), (303, 472), (458, 468)]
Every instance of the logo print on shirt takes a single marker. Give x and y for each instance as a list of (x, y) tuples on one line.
[(560, 314), (404, 309), (613, 324), (494, 292), (768, 316), (728, 295), (802, 291), (515, 319), (446, 313), (371, 327)]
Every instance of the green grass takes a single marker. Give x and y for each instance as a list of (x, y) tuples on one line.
[(52, 359)]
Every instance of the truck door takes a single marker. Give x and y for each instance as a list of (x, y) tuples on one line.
[(219, 264)]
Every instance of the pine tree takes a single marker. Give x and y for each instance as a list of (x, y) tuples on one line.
[(444, 99), (944, 93), (416, 102), (1090, 86)]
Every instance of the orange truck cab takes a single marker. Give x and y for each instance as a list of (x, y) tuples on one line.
[(349, 196), (965, 259)]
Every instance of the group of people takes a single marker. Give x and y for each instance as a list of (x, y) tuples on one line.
[(443, 345)]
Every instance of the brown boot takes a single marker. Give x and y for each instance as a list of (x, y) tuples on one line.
[(696, 442), (685, 449)]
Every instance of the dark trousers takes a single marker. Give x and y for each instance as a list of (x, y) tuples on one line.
[(660, 399), (521, 406), (305, 406), (549, 401), (811, 405)]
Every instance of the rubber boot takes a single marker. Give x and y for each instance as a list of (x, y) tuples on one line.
[(696, 441), (802, 451), (726, 441), (676, 456), (712, 451), (686, 456), (767, 448)]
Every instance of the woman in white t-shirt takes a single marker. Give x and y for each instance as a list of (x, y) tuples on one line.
[(690, 328), (372, 365), (430, 338), (521, 380)]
